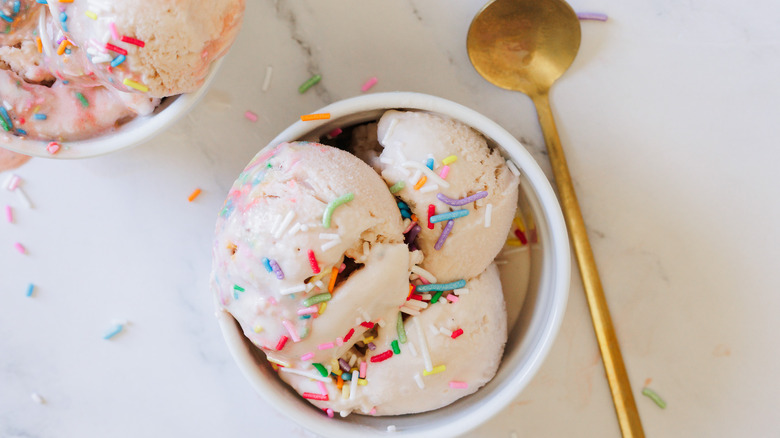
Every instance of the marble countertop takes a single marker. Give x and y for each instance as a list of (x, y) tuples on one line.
[(669, 120)]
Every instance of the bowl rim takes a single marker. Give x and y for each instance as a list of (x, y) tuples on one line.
[(557, 260), (133, 133)]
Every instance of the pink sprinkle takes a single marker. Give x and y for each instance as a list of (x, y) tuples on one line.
[(445, 170), (98, 46), (326, 346), (372, 411), (307, 356), (112, 28), (458, 385), (53, 148), (291, 330), (424, 281), (308, 310), (592, 16), (409, 228), (330, 412), (368, 84), (335, 133), (342, 268), (9, 214), (272, 301), (363, 367), (13, 182), (339, 342), (250, 115), (323, 388), (19, 247), (452, 297)]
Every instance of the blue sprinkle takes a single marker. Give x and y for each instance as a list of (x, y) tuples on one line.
[(305, 316), (118, 60), (39, 116), (30, 290), (43, 2), (429, 163), (438, 287), (114, 331), (21, 131), (67, 51), (449, 215), (402, 205), (346, 377), (406, 214), (63, 17), (267, 264), (6, 18), (65, 82), (17, 5)]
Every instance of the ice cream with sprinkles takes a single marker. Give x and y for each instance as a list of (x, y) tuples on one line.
[(322, 260), (70, 70)]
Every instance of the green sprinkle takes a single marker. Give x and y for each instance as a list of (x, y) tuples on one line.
[(312, 81), (343, 199), (436, 296), (316, 299), (397, 187), (654, 397), (400, 328), (4, 124), (238, 288), (321, 369), (83, 100), (394, 345)]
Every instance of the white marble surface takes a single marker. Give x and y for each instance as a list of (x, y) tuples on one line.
[(669, 119)]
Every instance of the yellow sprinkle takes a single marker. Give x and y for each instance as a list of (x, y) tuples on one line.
[(91, 15), (362, 382), (133, 84), (421, 182), (257, 329), (435, 370), (368, 339), (345, 392), (63, 45), (322, 307), (278, 362), (514, 242), (519, 223), (449, 160), (320, 116)]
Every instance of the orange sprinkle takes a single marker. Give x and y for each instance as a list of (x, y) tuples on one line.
[(66, 1), (320, 116), (414, 217), (339, 382), (63, 45), (39, 44), (333, 273), (194, 195), (421, 182), (411, 290)]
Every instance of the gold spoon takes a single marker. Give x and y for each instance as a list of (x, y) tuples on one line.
[(525, 45)]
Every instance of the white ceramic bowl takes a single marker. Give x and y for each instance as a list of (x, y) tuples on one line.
[(544, 289), (132, 133)]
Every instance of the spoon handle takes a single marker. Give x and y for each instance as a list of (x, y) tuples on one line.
[(622, 395)]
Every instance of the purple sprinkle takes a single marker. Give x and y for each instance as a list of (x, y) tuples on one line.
[(344, 365), (277, 270), (463, 201), (444, 233), (413, 234), (371, 346), (592, 16)]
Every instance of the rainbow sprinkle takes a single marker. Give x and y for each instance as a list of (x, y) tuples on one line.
[(397, 187), (30, 290), (136, 85), (449, 215), (368, 84), (317, 299), (435, 370), (647, 392), (315, 267), (458, 385), (114, 331), (444, 234), (312, 81), (343, 199), (595, 16), (463, 201), (441, 286), (194, 195), (456, 333), (382, 356)]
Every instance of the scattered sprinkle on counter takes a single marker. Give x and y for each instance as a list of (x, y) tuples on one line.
[(649, 393), (592, 16), (368, 84), (30, 290), (194, 195), (250, 116), (318, 116), (115, 330)]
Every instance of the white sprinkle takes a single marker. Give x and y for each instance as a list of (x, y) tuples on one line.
[(23, 197), (386, 160), (293, 289), (287, 219), (304, 228), (329, 236), (500, 262), (429, 188), (353, 385), (311, 375), (461, 291), (410, 311), (445, 331), (419, 380), (424, 274), (424, 347), (513, 167), (416, 177), (320, 284), (434, 330), (380, 322), (37, 398), (366, 249), (416, 304), (391, 428), (330, 245), (343, 414), (277, 220), (267, 81), (100, 59), (431, 174), (294, 229), (309, 287), (426, 296), (12, 182), (389, 131), (411, 348), (488, 215), (352, 360)]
